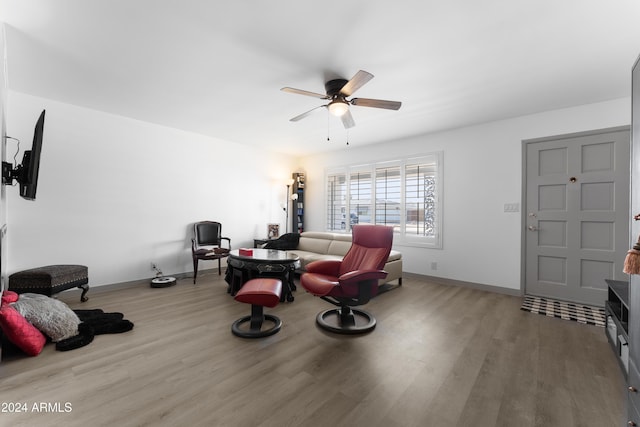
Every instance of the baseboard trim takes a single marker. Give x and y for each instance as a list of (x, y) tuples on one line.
[(142, 282), (472, 285), (433, 279)]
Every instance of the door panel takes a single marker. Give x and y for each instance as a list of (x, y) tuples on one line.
[(577, 208)]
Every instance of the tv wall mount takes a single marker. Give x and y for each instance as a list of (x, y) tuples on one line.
[(12, 173)]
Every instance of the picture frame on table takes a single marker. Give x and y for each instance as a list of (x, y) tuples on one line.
[(273, 231)]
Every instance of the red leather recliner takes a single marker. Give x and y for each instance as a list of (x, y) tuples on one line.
[(352, 281)]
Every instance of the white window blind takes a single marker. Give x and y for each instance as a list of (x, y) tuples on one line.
[(336, 202), (420, 200), (389, 196), (404, 193), (360, 197)]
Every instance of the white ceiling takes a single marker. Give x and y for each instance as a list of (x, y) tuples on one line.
[(216, 67)]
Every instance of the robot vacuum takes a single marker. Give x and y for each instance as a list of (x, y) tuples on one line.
[(163, 282)]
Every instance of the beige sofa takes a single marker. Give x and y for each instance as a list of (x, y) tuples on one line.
[(315, 245)]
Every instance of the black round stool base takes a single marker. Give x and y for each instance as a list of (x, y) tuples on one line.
[(255, 332), (356, 322)]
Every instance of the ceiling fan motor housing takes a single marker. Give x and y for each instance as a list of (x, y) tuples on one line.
[(332, 87)]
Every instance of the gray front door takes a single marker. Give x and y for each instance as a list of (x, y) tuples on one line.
[(577, 214)]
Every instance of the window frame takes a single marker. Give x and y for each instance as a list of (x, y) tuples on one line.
[(433, 160)]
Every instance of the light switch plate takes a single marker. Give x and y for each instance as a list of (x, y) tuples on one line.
[(512, 207)]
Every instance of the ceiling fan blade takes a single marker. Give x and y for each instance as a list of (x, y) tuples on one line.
[(376, 103), (304, 92), (356, 83), (305, 114), (347, 120)]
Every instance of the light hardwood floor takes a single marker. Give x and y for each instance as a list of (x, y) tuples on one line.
[(440, 356)]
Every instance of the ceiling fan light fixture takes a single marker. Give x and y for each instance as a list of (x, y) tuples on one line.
[(338, 107)]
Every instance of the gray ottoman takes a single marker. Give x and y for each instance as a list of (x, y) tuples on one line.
[(50, 280)]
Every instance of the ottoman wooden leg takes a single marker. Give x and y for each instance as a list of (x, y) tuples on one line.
[(85, 289)]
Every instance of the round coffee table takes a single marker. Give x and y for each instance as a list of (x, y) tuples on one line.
[(262, 263)]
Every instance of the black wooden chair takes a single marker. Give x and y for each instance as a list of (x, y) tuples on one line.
[(207, 244)]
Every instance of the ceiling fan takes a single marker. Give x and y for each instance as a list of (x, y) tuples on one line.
[(337, 91)]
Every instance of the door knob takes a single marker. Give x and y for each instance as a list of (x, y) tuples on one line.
[(532, 228)]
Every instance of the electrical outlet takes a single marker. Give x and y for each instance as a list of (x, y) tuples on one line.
[(434, 265)]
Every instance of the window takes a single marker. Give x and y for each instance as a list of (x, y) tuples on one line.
[(420, 199), (336, 202), (360, 196), (404, 193), (388, 196)]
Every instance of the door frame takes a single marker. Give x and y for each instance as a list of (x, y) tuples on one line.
[(523, 190)]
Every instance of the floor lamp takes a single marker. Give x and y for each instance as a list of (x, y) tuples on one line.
[(286, 210)]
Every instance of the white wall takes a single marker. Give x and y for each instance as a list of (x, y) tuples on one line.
[(3, 102), (482, 172), (116, 194)]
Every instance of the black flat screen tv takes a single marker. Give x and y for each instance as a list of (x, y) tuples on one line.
[(28, 176)]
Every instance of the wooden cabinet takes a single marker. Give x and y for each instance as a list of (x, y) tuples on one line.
[(633, 399), (617, 311)]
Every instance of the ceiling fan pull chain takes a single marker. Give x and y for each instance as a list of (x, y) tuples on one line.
[(328, 129), (347, 136)]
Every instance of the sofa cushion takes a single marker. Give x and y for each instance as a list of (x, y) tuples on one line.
[(339, 247), (342, 237), (313, 244), (325, 235), (394, 256)]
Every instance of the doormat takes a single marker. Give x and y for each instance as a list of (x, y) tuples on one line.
[(565, 310)]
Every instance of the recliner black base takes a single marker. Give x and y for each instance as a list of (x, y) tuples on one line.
[(346, 320)]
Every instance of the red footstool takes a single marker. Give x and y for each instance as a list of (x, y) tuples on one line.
[(260, 293)]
